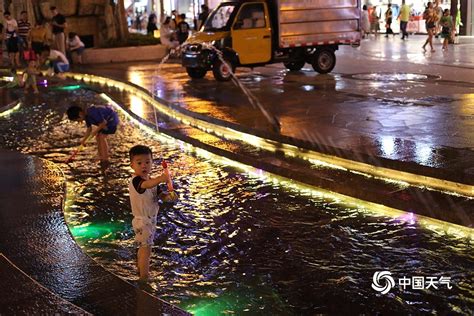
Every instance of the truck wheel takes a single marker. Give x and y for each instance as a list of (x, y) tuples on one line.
[(324, 60), (196, 73), (294, 65), (223, 71)]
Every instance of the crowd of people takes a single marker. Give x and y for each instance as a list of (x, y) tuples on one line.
[(438, 22), (45, 43), (174, 29)]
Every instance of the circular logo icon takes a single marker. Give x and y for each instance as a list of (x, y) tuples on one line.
[(383, 282)]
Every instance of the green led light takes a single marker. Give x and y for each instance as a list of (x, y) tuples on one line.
[(107, 230), (239, 301), (69, 88), (214, 306)]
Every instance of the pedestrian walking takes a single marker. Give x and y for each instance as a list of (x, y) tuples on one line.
[(404, 17), (430, 21), (439, 15), (388, 20), (374, 21), (59, 25), (11, 36), (447, 25), (364, 22)]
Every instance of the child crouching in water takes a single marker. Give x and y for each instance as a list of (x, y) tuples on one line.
[(106, 121), (144, 194)]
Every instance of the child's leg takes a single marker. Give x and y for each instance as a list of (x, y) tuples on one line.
[(17, 59), (103, 147), (143, 260)]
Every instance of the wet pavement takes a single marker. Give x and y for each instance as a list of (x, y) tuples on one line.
[(27, 297), (35, 239), (243, 270), (414, 110), (237, 241)]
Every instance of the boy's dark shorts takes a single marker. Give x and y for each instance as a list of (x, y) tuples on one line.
[(109, 129), (12, 45)]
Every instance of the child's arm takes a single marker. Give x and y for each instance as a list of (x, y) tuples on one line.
[(86, 136), (98, 128), (153, 182)]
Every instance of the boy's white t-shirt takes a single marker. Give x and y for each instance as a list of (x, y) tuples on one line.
[(144, 203), (55, 54), (10, 27), (75, 42)]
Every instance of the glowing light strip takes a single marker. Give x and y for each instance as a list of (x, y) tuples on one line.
[(9, 111), (291, 150), (7, 78), (438, 226)]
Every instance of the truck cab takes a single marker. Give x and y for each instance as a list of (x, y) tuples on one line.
[(253, 33)]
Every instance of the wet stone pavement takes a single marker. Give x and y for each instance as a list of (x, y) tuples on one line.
[(415, 113), (237, 242)]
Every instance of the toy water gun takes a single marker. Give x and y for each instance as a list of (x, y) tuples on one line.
[(171, 196), (74, 153)]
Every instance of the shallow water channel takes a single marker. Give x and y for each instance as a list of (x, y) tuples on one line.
[(237, 243)]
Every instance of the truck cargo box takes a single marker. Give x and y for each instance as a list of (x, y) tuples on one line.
[(318, 22)]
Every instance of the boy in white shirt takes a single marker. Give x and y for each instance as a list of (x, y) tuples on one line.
[(144, 195)]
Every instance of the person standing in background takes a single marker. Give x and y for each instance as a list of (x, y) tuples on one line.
[(151, 26), (202, 16), (404, 17), (388, 20), (183, 29), (38, 37), (11, 36), (364, 22), (59, 24), (24, 28), (374, 21)]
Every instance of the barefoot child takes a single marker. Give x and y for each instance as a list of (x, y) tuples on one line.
[(106, 121), (144, 194), (29, 77)]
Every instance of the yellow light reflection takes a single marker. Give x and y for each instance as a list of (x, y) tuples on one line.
[(137, 105), (11, 110), (437, 226), (359, 167)]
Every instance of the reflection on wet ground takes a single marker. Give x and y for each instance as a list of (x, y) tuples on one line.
[(236, 243), (428, 120)]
